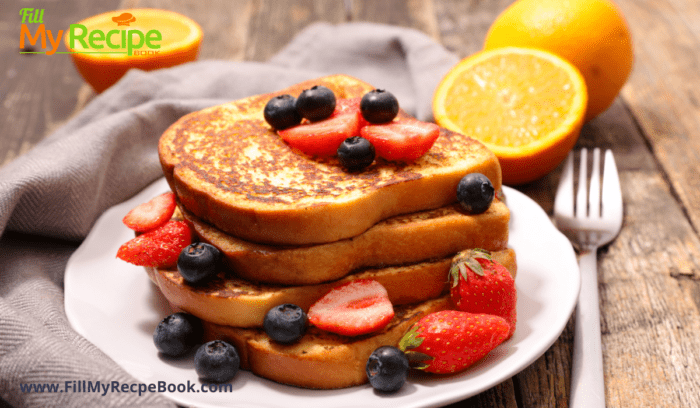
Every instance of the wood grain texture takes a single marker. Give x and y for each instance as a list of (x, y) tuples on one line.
[(38, 92), (649, 276), (663, 90), (274, 23)]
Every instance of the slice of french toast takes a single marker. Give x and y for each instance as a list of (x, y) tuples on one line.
[(399, 240), (228, 166), (232, 301), (320, 359)]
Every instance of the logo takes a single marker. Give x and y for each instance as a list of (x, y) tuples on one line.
[(115, 41), (124, 19)]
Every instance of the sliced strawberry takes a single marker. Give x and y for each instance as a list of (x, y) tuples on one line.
[(158, 248), (351, 105), (358, 307), (322, 138), (402, 140), (152, 214)]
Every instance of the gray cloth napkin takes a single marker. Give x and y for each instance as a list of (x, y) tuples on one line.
[(51, 196)]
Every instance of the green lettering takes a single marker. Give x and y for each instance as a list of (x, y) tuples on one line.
[(25, 12), (95, 36), (73, 35), (130, 45), (153, 35), (109, 35), (40, 32)]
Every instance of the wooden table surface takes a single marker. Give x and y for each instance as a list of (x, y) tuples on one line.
[(648, 277)]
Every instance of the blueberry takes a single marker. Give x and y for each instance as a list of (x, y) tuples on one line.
[(379, 106), (356, 153), (177, 334), (316, 103), (216, 361), (475, 193), (285, 323), (387, 369), (198, 262), (281, 112)]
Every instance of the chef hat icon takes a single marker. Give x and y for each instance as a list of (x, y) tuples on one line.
[(124, 19)]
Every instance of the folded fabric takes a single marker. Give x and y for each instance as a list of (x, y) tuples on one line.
[(51, 196)]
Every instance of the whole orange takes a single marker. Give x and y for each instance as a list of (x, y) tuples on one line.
[(104, 47), (591, 34)]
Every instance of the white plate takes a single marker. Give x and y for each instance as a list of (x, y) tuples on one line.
[(114, 305)]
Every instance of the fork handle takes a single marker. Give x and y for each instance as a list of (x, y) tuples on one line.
[(587, 380)]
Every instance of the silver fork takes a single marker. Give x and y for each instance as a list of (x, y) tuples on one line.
[(594, 220)]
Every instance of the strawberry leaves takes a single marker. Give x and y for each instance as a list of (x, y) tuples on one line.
[(410, 341), (468, 259)]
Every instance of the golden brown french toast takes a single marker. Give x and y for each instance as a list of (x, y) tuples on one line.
[(227, 166), (399, 240), (320, 359), (233, 301)]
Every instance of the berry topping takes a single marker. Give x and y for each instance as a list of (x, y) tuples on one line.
[(152, 214), (285, 323), (198, 262), (358, 307), (356, 153), (158, 248), (404, 140), (449, 341), (322, 138), (316, 103), (475, 193), (177, 334), (216, 362), (281, 112), (478, 284), (379, 106), (387, 369)]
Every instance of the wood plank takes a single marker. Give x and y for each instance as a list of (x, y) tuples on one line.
[(417, 14), (275, 22), (662, 90), (546, 383), (463, 24), (648, 277), (38, 92)]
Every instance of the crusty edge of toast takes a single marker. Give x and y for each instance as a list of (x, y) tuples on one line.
[(407, 284), (323, 221), (327, 363), (384, 244)]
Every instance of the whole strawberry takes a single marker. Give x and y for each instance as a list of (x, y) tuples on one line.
[(478, 284), (449, 341), (158, 248)]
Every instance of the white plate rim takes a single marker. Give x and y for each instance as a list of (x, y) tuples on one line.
[(93, 272)]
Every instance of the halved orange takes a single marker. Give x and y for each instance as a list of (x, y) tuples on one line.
[(104, 47), (524, 104)]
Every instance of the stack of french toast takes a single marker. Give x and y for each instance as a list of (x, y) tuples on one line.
[(292, 227)]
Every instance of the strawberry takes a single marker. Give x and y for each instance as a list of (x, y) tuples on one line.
[(152, 214), (449, 341), (158, 248), (478, 284), (401, 140), (351, 105), (322, 138), (357, 307)]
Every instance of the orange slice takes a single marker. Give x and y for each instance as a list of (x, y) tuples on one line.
[(526, 105), (104, 47)]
